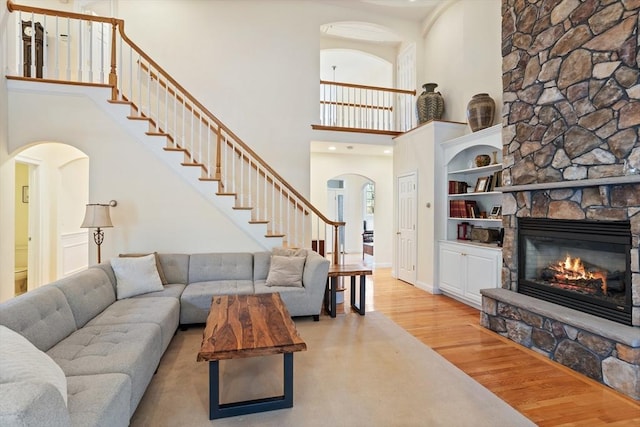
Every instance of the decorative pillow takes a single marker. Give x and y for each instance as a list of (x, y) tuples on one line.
[(285, 271), (282, 251), (22, 361), (135, 276), (163, 278)]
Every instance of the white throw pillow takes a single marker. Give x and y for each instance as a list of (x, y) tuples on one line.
[(285, 271), (21, 361), (135, 276)]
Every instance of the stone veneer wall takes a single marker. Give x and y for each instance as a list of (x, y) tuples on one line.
[(571, 127)]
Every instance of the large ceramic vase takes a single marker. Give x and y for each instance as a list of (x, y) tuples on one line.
[(430, 104), (480, 112)]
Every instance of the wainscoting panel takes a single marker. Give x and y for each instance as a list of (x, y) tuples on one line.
[(75, 253)]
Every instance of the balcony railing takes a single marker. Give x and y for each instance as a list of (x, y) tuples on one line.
[(348, 106)]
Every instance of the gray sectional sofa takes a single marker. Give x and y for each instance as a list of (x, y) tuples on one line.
[(108, 349)]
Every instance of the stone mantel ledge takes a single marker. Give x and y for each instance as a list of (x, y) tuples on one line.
[(628, 335), (627, 179)]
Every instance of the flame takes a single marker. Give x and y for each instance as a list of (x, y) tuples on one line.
[(573, 269)]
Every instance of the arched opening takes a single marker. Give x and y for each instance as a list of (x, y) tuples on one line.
[(51, 191)]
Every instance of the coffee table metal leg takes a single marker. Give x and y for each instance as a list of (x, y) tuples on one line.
[(218, 410)]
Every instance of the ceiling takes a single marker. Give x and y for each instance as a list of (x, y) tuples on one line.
[(351, 149), (413, 10)]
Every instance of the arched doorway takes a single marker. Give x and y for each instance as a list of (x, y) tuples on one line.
[(52, 189)]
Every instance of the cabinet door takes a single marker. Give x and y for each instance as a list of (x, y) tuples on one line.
[(481, 273), (452, 272)]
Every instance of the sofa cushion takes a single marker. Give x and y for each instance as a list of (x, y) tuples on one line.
[(175, 267), (284, 251), (88, 293), (42, 316), (164, 312), (261, 262), (32, 404), (135, 276), (99, 400), (285, 271), (163, 278), (131, 349), (195, 301), (220, 266), (172, 290), (21, 361)]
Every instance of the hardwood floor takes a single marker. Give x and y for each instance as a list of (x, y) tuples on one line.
[(546, 392)]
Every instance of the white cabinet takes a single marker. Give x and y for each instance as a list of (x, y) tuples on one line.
[(465, 266), (465, 269)]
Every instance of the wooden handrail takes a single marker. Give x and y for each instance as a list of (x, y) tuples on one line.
[(225, 128), (12, 7), (377, 88)]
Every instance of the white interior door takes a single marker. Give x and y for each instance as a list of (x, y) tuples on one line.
[(407, 213)]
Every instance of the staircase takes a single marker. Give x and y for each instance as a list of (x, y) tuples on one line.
[(159, 112)]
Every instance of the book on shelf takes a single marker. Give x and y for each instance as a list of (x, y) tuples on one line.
[(495, 181), (457, 187), (463, 209)]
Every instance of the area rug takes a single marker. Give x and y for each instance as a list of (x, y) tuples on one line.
[(357, 371)]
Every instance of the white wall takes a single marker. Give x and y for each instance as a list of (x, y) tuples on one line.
[(7, 178), (463, 48), (378, 169), (157, 210)]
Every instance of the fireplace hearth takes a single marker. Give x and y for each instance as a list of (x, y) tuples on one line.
[(579, 264)]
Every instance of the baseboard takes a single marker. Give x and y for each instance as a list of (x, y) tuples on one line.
[(428, 287)]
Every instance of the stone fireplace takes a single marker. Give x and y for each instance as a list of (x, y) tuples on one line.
[(571, 150)]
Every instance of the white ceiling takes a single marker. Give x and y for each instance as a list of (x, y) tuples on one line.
[(352, 149), (413, 10)]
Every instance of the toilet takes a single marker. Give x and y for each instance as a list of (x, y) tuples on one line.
[(20, 278)]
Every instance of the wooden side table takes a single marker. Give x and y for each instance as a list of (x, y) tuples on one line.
[(346, 270)]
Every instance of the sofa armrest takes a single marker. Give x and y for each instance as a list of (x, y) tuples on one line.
[(314, 276), (32, 404)]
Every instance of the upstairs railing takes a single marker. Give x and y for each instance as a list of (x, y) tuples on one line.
[(358, 107), (77, 48)]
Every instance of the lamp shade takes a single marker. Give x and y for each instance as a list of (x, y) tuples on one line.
[(96, 216)]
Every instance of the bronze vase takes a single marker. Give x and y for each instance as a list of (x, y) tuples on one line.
[(430, 104), (480, 111)]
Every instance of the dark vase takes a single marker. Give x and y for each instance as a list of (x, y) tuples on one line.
[(430, 104), (480, 111)]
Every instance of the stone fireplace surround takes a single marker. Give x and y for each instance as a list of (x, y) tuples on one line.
[(571, 131)]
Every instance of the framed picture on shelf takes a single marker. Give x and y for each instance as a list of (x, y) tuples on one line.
[(496, 212), (481, 184)]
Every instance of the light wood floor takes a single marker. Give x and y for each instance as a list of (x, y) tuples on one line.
[(544, 391)]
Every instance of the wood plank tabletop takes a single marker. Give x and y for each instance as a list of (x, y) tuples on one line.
[(349, 270), (248, 325)]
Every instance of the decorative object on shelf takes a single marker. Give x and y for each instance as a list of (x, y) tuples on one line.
[(495, 157), (496, 212), (485, 235), (481, 184), (430, 104), (480, 111), (464, 230), (482, 160)]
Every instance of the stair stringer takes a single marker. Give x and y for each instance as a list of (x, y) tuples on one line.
[(137, 130)]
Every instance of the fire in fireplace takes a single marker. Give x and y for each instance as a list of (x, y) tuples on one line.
[(584, 265)]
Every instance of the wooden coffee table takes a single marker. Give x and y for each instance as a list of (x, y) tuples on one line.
[(246, 326)]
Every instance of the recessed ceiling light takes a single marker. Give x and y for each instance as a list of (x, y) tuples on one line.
[(349, 147), (332, 148), (387, 151)]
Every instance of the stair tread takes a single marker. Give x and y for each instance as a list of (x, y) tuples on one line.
[(226, 194), (243, 208), (119, 101), (274, 235), (259, 221), (209, 179), (174, 149), (157, 134), (138, 118)]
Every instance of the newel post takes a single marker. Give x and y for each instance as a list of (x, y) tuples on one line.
[(113, 77), (336, 244)]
